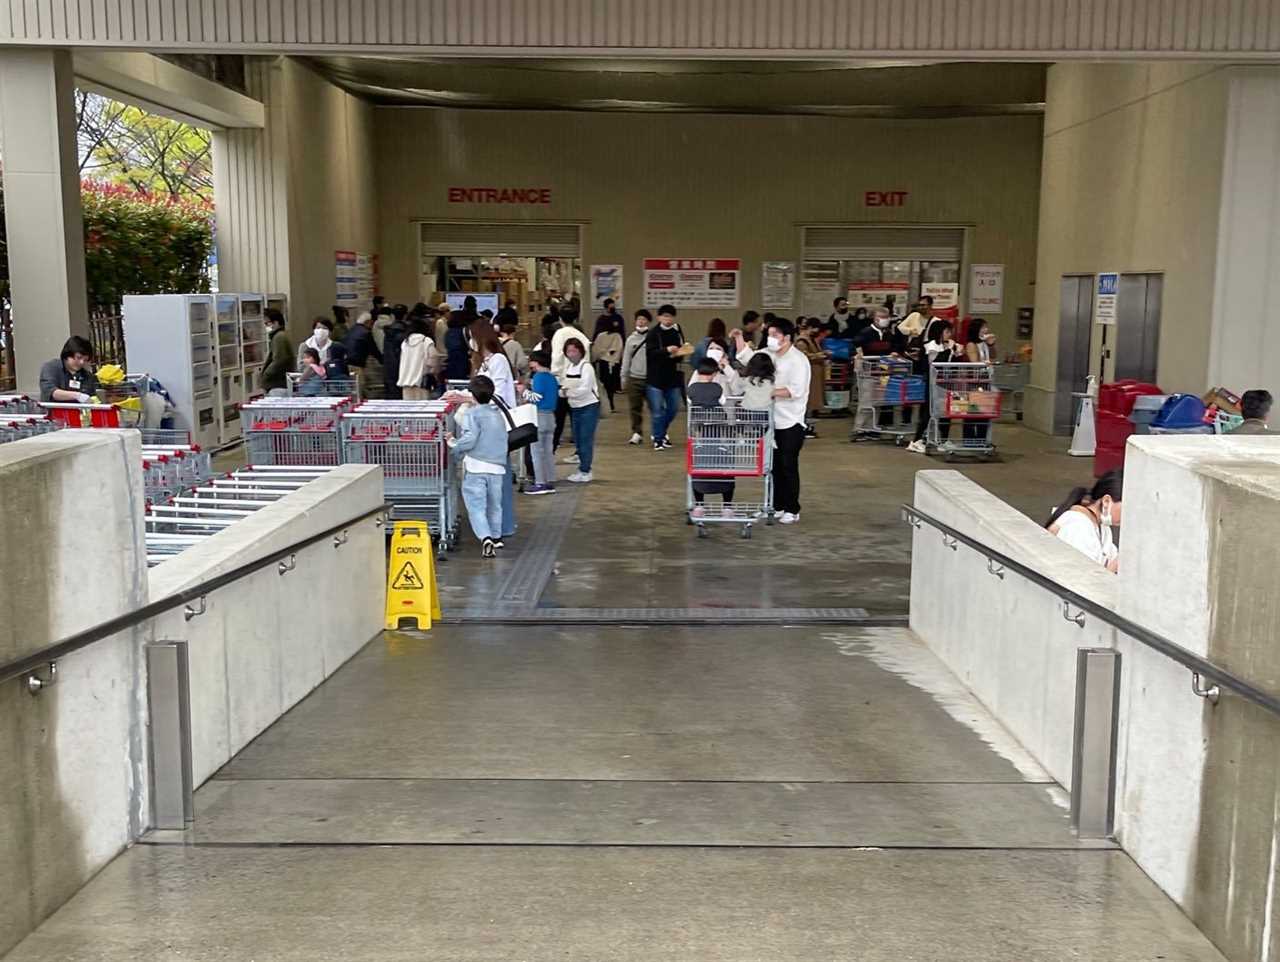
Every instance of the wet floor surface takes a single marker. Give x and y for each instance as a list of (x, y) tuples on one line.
[(680, 789)]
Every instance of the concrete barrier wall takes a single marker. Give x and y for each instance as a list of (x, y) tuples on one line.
[(1197, 785), (266, 641), (73, 761)]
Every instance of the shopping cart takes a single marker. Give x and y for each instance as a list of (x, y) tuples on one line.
[(1010, 379), (964, 393), (837, 394), (724, 446), (348, 387), (83, 415), (407, 439), (18, 404), (294, 431), (15, 427), (885, 383)]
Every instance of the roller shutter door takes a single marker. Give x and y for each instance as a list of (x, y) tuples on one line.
[(492, 240), (883, 243)]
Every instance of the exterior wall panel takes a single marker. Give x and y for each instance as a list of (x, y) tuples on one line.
[(1046, 29)]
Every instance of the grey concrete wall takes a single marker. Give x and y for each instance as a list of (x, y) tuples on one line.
[(72, 761), (1132, 180), (268, 640), (73, 765), (711, 185)]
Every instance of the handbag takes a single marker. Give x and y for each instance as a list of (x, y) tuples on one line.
[(522, 424)]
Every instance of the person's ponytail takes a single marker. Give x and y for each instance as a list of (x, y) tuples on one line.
[(1077, 496), (1110, 485)]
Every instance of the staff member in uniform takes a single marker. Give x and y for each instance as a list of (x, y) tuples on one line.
[(67, 379)]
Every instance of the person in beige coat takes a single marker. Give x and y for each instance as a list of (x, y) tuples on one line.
[(606, 352)]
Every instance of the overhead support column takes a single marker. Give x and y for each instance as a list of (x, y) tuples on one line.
[(42, 213)]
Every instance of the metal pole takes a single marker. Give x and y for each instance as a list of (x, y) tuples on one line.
[(169, 735), (1093, 767)]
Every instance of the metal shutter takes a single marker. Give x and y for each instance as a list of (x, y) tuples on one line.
[(883, 243), (511, 239)]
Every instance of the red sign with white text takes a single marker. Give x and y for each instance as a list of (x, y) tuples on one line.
[(691, 281)]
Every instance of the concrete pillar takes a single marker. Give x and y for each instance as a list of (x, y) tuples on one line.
[(42, 206)]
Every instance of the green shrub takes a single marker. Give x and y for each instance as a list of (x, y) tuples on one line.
[(137, 243)]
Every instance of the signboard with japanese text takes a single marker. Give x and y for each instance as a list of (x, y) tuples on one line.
[(692, 281), (606, 282), (777, 284), (945, 294), (986, 289), (356, 278)]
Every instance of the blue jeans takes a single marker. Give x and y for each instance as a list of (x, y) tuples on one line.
[(664, 405), (482, 494), (508, 501), (584, 433)]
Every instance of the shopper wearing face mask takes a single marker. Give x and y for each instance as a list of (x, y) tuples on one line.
[(874, 340), (790, 393), (634, 373), (664, 347), (979, 349), (279, 353), (320, 341), (1086, 518), (840, 319)]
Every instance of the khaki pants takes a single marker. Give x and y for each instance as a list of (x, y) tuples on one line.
[(636, 398), (370, 379), (416, 394)]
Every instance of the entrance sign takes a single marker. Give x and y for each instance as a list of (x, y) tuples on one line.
[(606, 282), (1104, 301), (413, 598), (499, 195), (691, 281), (777, 283), (986, 289)]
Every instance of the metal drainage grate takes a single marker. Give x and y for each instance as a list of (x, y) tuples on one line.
[(678, 616)]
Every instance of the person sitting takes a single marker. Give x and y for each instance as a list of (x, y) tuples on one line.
[(1256, 407), (311, 382), (1085, 519)]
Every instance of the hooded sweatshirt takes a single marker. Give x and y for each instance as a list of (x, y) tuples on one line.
[(418, 358)]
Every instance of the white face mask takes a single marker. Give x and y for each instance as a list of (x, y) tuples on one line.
[(322, 335), (1105, 515), (774, 342), (666, 324), (641, 330), (472, 344), (715, 354)]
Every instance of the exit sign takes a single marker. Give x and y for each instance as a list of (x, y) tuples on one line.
[(885, 198)]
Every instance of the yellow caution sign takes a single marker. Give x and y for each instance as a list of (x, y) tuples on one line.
[(413, 599)]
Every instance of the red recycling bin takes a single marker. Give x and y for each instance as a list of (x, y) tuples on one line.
[(1112, 424)]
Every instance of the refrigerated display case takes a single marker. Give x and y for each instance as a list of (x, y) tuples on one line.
[(171, 338)]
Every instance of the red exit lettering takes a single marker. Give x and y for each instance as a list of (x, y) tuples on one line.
[(885, 198)]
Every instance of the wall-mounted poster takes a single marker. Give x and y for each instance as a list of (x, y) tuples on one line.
[(875, 295), (606, 282), (777, 284), (356, 277), (945, 294), (691, 281), (986, 289)]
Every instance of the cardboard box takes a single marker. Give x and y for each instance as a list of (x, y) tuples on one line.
[(1223, 400)]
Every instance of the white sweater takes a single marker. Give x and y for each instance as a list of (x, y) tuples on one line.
[(418, 358), (580, 384)]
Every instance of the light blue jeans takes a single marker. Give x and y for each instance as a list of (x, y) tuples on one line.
[(482, 494)]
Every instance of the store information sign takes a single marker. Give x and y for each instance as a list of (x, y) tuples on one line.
[(944, 293), (986, 289), (691, 281), (355, 274), (1104, 301), (777, 284), (872, 296), (606, 281)]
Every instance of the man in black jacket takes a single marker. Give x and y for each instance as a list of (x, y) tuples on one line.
[(392, 339), (663, 379)]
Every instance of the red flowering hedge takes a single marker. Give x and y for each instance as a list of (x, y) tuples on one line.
[(137, 243)]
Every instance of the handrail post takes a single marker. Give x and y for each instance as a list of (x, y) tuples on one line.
[(169, 735), (1093, 764)]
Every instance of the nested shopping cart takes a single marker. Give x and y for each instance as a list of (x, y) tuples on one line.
[(967, 394), (726, 446), (294, 431), (837, 389), (1010, 379), (408, 440), (885, 384)]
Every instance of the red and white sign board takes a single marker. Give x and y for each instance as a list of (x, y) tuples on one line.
[(692, 281)]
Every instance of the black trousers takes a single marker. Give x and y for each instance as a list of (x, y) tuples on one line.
[(562, 413), (786, 468)]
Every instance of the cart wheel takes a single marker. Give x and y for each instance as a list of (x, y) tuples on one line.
[(441, 550), (702, 530), (746, 531), (768, 519)]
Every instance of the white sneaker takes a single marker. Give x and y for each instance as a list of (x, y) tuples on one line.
[(917, 447), (580, 477), (698, 512), (726, 513), (788, 518), (636, 439), (571, 459)]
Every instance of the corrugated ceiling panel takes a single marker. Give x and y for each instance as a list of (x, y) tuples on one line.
[(513, 238), (1053, 29)]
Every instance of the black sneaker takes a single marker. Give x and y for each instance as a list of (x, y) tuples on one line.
[(487, 549), (666, 443), (657, 445), (499, 544)]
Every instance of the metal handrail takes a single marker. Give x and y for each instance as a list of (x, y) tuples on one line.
[(30, 664), (1201, 668)]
